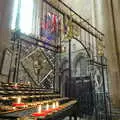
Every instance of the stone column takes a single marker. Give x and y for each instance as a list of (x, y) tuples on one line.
[(5, 20), (37, 17), (107, 20)]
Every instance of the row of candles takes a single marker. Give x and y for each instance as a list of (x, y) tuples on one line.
[(48, 110), (55, 108), (19, 102), (43, 110), (33, 96)]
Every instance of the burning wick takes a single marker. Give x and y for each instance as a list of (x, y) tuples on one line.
[(53, 105), (39, 109), (29, 83), (19, 103), (39, 113), (15, 86), (14, 108), (19, 100), (57, 104), (47, 106)]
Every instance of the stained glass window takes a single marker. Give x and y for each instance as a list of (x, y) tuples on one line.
[(50, 26)]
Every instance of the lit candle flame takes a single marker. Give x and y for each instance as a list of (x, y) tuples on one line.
[(53, 105), (19, 100), (57, 104), (14, 108), (47, 106), (16, 85), (28, 83), (39, 109)]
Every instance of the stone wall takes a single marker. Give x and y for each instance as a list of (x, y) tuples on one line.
[(106, 19), (5, 20), (82, 7)]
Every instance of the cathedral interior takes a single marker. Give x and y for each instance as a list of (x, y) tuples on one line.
[(59, 60)]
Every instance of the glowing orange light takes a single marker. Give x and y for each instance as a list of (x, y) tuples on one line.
[(53, 105), (15, 86), (39, 109), (19, 100), (47, 106), (57, 104), (19, 103), (42, 114)]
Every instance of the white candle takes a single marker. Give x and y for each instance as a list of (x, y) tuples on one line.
[(39, 109)]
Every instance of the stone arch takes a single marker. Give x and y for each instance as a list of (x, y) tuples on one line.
[(77, 59)]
